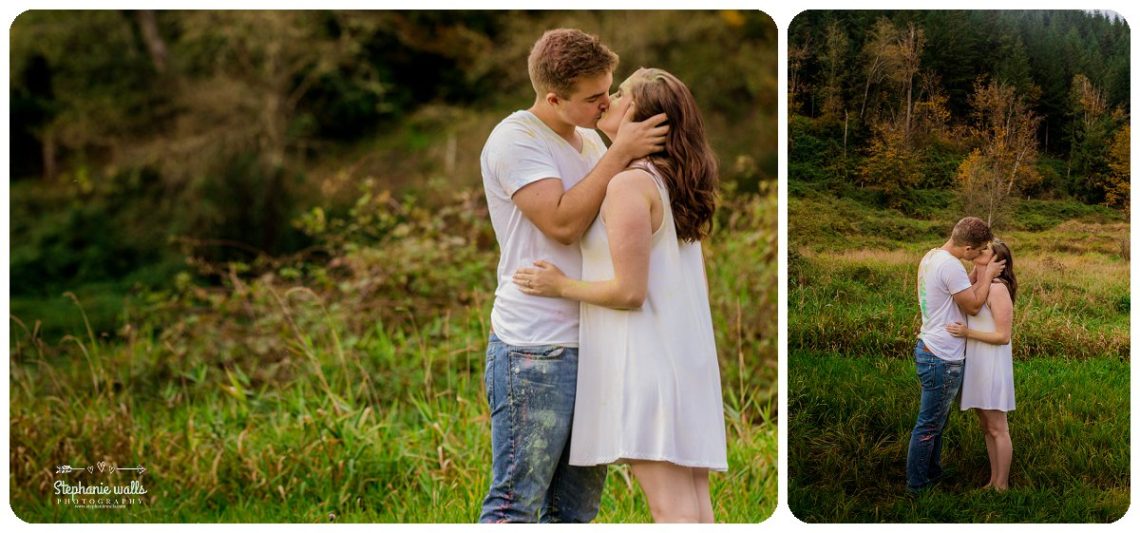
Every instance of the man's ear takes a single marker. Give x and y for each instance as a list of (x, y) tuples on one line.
[(552, 99)]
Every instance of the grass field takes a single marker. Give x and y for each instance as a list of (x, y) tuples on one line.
[(853, 394), (349, 390)]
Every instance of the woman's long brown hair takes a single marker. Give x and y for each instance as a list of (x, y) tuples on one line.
[(1002, 251), (687, 164)]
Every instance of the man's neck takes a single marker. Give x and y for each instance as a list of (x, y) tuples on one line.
[(550, 118), (955, 251)]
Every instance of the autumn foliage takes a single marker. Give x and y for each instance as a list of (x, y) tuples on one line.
[(997, 107), (1003, 162)]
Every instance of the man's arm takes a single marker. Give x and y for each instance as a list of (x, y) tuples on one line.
[(629, 229), (564, 215), (1002, 307), (972, 299), (628, 209)]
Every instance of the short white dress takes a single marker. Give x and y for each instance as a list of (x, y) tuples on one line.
[(648, 379), (987, 381)]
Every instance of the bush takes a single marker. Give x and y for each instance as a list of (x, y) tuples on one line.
[(810, 152)]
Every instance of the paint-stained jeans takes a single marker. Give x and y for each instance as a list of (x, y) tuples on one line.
[(531, 394), (940, 380)]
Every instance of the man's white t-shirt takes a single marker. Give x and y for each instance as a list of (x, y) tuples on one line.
[(522, 150), (940, 277)]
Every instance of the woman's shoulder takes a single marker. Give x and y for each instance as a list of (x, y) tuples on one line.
[(633, 177), (643, 165), (629, 184), (999, 291)]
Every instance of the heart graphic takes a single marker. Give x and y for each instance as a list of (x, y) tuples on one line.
[(90, 469), (102, 465)]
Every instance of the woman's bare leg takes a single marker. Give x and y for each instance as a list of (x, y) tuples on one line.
[(670, 490), (701, 482), (991, 449), (998, 429)]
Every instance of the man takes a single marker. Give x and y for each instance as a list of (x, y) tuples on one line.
[(545, 173), (944, 293)]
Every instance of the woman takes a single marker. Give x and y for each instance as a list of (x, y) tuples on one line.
[(987, 382), (648, 382)]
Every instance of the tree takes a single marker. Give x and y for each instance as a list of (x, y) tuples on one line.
[(895, 55), (1089, 104), (894, 160), (892, 166), (1120, 163), (982, 191), (905, 62), (931, 110), (833, 58), (1004, 163), (1012, 63), (798, 53), (95, 94), (1091, 130), (876, 50), (155, 45)]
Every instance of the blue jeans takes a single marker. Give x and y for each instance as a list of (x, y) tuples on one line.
[(531, 394), (940, 380)]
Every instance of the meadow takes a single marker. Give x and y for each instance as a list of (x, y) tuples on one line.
[(853, 394), (348, 386)]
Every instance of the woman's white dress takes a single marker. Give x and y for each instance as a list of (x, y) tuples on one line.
[(648, 379), (987, 381)]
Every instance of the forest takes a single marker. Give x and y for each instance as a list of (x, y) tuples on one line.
[(996, 105)]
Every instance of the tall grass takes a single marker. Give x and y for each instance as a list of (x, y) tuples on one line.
[(347, 390), (853, 395)]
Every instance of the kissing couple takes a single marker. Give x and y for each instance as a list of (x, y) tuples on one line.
[(601, 348), (967, 325)]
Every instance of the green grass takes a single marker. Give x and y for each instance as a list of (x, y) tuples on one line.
[(850, 423), (853, 396), (352, 388)]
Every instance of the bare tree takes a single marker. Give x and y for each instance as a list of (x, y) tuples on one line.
[(876, 51), (1090, 101), (798, 53), (833, 58), (155, 46), (906, 61)]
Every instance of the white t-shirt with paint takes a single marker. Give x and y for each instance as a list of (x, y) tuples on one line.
[(522, 150), (940, 277)]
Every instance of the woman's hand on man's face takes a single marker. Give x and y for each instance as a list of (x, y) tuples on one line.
[(544, 279)]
